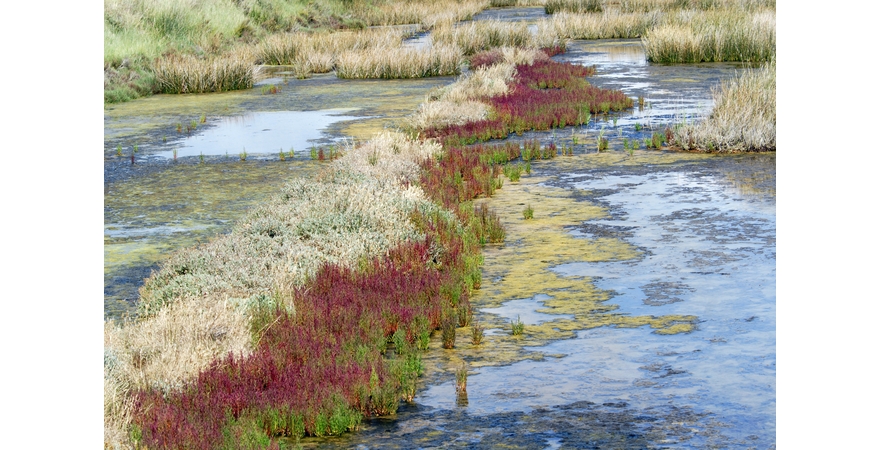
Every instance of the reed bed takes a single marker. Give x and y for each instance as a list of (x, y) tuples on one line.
[(400, 62), (316, 52), (427, 14), (742, 120), (606, 25), (474, 37), (713, 36), (573, 6), (643, 6), (187, 74)]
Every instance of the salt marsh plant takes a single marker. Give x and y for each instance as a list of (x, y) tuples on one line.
[(474, 37), (461, 378), (477, 333), (118, 149), (270, 89), (243, 155), (574, 6), (529, 212), (743, 118), (517, 326), (606, 25), (399, 62), (186, 74), (713, 36), (281, 155)]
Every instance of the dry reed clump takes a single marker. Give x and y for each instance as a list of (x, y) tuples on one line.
[(573, 6), (443, 112), (427, 14), (743, 119), (635, 6), (342, 218), (399, 62), (607, 25), (389, 155), (474, 37), (317, 52), (187, 74), (713, 36), (165, 351)]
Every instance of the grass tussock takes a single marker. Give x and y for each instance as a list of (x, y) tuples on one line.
[(399, 62), (642, 6), (317, 52), (187, 74), (743, 119), (427, 14), (606, 25), (473, 37), (573, 6), (713, 36)]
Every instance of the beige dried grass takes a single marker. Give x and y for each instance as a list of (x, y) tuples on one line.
[(743, 118)]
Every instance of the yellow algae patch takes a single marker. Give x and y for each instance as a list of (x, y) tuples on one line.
[(521, 269)]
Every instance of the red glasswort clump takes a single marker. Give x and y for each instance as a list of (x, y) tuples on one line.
[(544, 95)]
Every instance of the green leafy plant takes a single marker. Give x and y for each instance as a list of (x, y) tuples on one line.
[(290, 153), (135, 148), (638, 126), (119, 150), (517, 327), (203, 119), (281, 155), (313, 152), (243, 155), (529, 212)]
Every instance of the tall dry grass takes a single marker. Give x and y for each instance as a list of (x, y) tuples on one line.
[(704, 5), (712, 36), (606, 25), (188, 74), (317, 52), (743, 118), (399, 62), (474, 37), (427, 14)]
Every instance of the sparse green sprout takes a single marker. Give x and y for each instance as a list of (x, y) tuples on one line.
[(529, 212), (203, 119), (638, 126), (119, 150), (243, 155), (179, 127), (517, 326), (290, 153), (193, 124), (202, 158), (601, 142), (135, 148), (313, 152), (373, 158), (281, 155), (614, 120), (175, 154)]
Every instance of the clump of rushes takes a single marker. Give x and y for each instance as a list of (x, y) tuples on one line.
[(461, 378), (573, 6), (203, 119), (179, 127), (477, 333), (201, 158), (528, 213), (281, 155), (656, 140), (243, 155), (517, 327), (290, 153), (544, 95)]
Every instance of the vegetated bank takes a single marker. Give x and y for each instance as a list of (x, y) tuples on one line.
[(170, 46), (313, 312)]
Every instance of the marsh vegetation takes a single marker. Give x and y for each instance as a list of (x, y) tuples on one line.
[(315, 310)]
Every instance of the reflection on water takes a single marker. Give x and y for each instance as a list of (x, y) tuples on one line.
[(260, 132)]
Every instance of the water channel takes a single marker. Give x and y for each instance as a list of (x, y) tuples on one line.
[(646, 282)]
